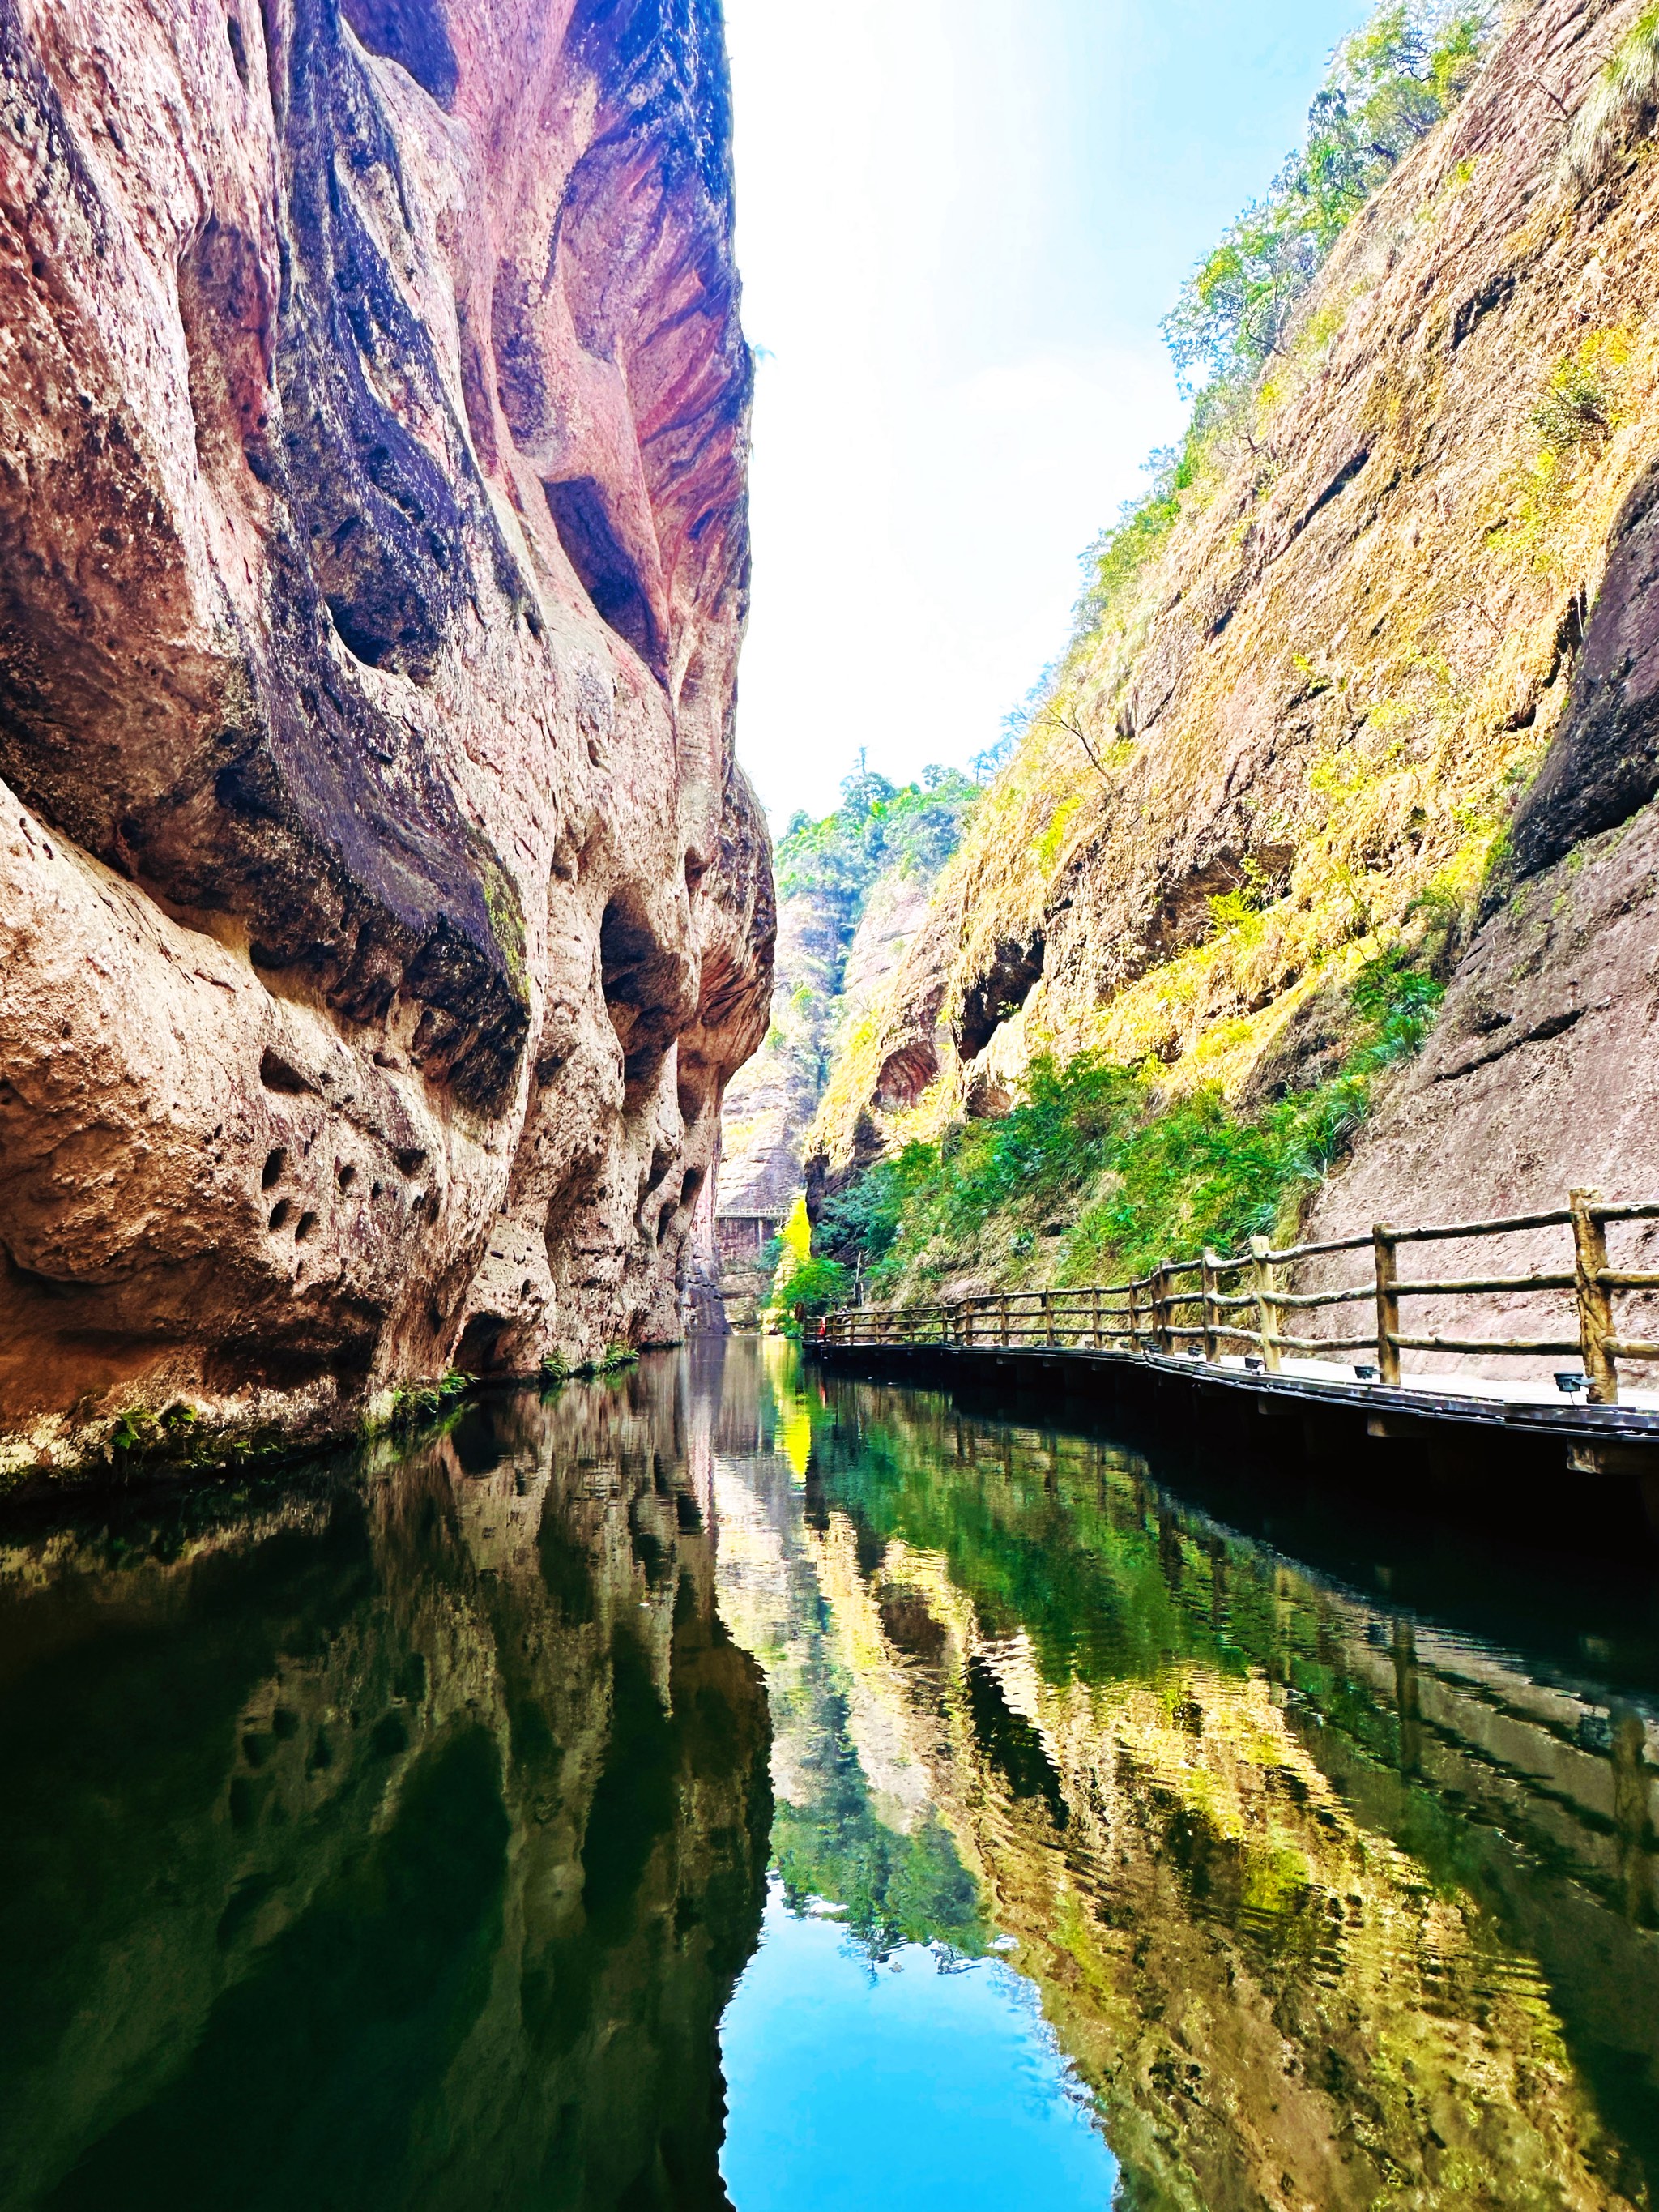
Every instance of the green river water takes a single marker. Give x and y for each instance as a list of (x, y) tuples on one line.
[(734, 1785)]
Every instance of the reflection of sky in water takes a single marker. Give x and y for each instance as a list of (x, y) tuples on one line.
[(851, 2087), (1285, 1859)]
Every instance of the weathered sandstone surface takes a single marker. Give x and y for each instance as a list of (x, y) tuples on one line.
[(381, 911), (1390, 685)]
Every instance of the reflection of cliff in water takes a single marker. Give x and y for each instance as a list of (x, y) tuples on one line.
[(393, 1843), (1330, 1907)]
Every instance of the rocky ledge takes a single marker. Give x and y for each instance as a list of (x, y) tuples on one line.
[(381, 910)]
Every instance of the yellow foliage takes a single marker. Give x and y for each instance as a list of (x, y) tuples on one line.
[(797, 1235)]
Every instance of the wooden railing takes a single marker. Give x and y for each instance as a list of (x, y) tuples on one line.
[(1239, 1299)]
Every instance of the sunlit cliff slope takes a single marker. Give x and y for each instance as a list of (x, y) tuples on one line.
[(1369, 713)]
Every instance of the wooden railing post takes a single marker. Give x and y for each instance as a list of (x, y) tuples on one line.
[(1004, 1302), (1385, 1244), (1266, 1314), (1134, 1317), (1161, 1336), (1209, 1285), (1097, 1316), (1590, 1260), (1047, 1317)]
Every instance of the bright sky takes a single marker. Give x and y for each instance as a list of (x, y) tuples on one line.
[(958, 224)]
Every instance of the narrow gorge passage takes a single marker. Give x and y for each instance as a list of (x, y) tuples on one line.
[(880, 1433), (725, 1786)]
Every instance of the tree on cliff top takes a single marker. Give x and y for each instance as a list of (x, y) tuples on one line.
[(878, 825), (1388, 86)]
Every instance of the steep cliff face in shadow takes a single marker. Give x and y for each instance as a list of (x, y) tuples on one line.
[(381, 910), (1387, 688), (397, 1843)]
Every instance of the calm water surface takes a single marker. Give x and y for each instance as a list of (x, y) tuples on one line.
[(726, 1787)]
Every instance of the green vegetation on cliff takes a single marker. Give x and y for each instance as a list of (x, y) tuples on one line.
[(1094, 1176), (1388, 86), (878, 825)]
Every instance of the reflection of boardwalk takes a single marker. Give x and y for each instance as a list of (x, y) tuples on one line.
[(1323, 1899)]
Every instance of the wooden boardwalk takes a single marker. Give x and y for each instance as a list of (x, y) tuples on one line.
[(1181, 1321)]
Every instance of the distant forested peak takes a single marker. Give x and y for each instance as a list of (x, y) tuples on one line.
[(879, 825)]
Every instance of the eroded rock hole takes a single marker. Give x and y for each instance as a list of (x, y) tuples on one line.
[(906, 1073), (238, 49), (476, 1353), (998, 992), (608, 574), (280, 1212), (345, 1177), (411, 1160), (281, 1075), (644, 984), (307, 1228), (276, 1161)]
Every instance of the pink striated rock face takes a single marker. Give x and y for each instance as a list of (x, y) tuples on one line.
[(381, 910)]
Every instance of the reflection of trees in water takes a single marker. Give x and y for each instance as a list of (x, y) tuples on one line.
[(1326, 1905), (395, 1845), (854, 1823)]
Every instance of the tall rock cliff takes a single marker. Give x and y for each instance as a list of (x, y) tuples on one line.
[(1383, 689), (381, 911)]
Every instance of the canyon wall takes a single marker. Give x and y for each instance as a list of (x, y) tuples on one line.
[(381, 910), (1386, 689), (833, 958)]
